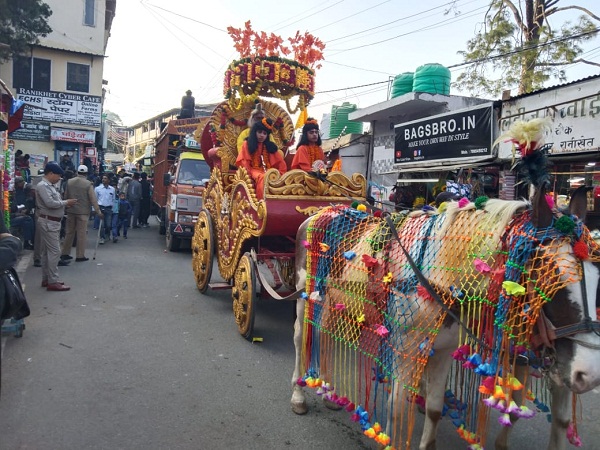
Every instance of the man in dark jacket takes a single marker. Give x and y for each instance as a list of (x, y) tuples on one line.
[(146, 200)]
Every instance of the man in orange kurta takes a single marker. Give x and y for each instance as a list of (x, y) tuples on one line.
[(258, 154)]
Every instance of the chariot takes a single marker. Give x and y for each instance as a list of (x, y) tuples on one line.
[(253, 237)]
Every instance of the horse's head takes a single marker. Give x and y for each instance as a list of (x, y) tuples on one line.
[(563, 274)]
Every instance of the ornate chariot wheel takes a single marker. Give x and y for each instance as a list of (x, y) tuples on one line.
[(203, 249), (244, 295)]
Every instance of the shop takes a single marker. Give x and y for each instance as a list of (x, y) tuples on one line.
[(573, 137)]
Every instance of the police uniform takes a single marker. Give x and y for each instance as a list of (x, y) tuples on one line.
[(50, 211)]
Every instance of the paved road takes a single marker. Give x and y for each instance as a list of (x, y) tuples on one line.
[(133, 357)]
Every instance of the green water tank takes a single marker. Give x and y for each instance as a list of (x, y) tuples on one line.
[(339, 120), (402, 84), (433, 79)]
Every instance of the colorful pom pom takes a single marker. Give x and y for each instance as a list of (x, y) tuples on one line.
[(323, 246), (463, 202), (565, 225), (581, 250), (354, 205), (480, 202), (361, 208), (382, 331), (306, 244), (377, 213)]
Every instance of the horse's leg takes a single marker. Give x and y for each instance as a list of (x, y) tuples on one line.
[(561, 417), (298, 400), (436, 374)]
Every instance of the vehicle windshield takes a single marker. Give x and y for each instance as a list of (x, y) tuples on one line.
[(193, 171)]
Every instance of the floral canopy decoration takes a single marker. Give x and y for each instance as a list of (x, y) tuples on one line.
[(264, 68)]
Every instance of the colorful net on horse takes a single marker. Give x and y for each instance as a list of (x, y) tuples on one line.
[(371, 326)]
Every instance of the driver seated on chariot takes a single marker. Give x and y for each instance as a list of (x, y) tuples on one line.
[(259, 154)]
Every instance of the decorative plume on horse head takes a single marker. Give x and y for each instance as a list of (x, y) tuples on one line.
[(496, 293)]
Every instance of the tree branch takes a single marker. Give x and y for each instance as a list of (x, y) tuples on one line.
[(580, 8), (578, 60), (510, 5)]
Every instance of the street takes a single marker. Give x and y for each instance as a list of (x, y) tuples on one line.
[(134, 357)]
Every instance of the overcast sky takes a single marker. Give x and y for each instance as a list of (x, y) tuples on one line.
[(158, 49)]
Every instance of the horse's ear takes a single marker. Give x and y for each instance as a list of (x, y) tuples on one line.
[(578, 203), (542, 214)]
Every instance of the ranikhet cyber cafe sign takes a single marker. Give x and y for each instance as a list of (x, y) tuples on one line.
[(459, 135)]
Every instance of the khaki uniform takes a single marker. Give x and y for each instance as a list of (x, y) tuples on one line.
[(50, 210), (78, 215)]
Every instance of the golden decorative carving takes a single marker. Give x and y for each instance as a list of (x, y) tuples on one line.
[(309, 211), (301, 183)]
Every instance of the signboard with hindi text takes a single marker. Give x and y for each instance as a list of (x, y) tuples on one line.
[(32, 131), (459, 135), (61, 107), (573, 114)]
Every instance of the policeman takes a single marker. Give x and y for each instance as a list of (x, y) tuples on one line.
[(51, 208)]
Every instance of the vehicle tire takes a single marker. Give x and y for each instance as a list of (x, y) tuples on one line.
[(244, 295), (162, 225), (203, 249), (173, 243)]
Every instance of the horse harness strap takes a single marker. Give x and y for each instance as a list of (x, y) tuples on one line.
[(264, 283)]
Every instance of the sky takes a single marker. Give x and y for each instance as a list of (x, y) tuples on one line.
[(158, 49)]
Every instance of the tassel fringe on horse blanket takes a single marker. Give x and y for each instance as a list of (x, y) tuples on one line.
[(370, 326)]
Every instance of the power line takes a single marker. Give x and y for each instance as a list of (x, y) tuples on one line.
[(524, 49)]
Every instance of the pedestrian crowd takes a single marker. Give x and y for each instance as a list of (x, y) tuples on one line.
[(52, 217)]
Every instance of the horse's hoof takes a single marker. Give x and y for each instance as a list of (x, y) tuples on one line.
[(331, 405), (300, 408)]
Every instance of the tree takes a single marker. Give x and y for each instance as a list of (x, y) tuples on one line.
[(22, 23), (521, 46)]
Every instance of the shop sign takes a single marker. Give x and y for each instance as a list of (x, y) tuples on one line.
[(62, 134), (573, 112), (32, 131), (464, 134), (61, 107)]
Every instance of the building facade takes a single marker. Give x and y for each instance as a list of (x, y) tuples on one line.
[(60, 80)]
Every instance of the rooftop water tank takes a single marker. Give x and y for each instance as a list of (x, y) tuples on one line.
[(339, 120), (433, 79), (402, 84)]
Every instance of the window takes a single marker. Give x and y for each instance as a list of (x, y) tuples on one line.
[(78, 77), (89, 15), (31, 73)]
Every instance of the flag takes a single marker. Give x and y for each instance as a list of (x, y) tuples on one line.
[(302, 118), (16, 115)]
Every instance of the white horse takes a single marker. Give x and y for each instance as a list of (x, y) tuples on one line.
[(566, 327)]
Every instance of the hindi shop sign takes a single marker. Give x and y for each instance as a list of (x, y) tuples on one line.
[(32, 131), (62, 134), (464, 134), (61, 107)]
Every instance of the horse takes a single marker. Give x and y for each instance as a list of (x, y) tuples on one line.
[(491, 297)]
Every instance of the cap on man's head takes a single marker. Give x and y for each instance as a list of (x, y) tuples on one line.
[(19, 179), (82, 169), (53, 167), (144, 175)]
